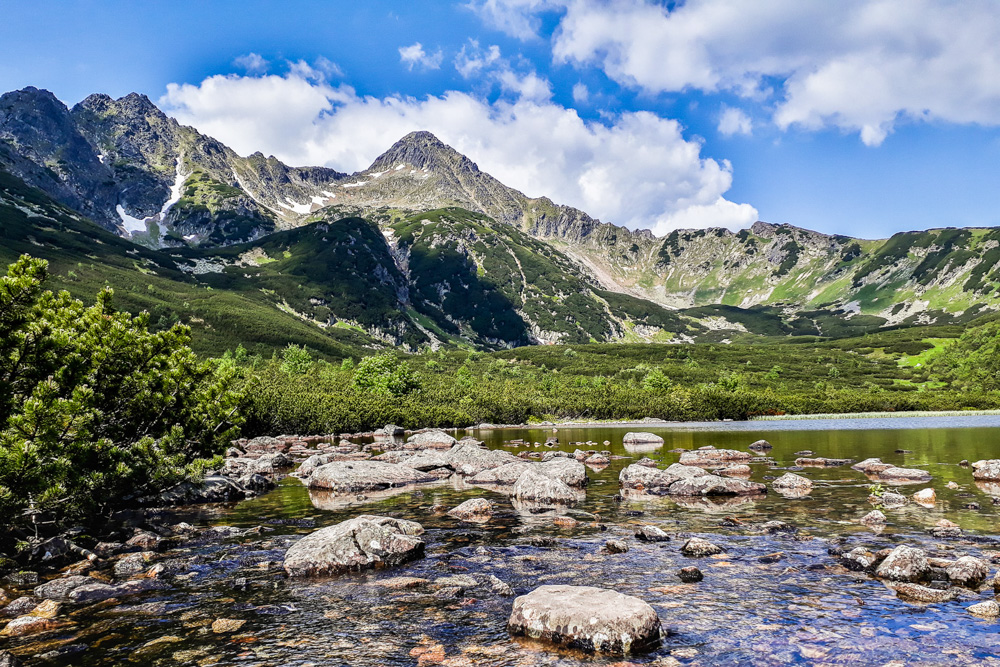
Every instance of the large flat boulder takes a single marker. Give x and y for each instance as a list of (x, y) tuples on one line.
[(504, 475), (354, 476), (682, 480), (714, 485), (587, 618), (430, 440), (364, 542), (535, 487), (469, 459), (568, 471), (641, 437), (709, 458)]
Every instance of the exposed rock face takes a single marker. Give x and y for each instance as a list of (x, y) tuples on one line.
[(476, 510), (363, 542), (697, 547), (904, 564), (354, 476), (968, 571), (587, 618), (987, 470), (714, 457)]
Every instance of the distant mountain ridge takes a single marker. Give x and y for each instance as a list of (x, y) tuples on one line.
[(135, 171)]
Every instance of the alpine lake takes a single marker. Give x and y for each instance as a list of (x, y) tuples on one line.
[(801, 606)]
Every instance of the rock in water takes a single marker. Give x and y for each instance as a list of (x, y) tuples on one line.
[(587, 618), (363, 542), (968, 571), (792, 482), (989, 609), (904, 564), (988, 470), (533, 486), (8, 659), (690, 575), (353, 476), (696, 547), (651, 534), (714, 457), (925, 497), (641, 437), (616, 546), (873, 518), (760, 446), (431, 440), (918, 593), (476, 510)]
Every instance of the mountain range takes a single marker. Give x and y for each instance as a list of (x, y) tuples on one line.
[(424, 248)]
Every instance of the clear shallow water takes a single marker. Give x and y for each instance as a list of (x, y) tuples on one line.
[(804, 608)]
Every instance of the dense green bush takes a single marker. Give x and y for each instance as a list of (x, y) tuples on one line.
[(96, 410)]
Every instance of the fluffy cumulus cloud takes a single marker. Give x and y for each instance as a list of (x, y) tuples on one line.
[(734, 121), (415, 56), (859, 65), (637, 170)]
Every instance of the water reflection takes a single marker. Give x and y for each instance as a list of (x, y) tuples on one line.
[(802, 608)]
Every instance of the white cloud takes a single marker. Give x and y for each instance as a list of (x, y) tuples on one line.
[(516, 18), (734, 121), (251, 63), (580, 93), (858, 65), (472, 59), (637, 170), (414, 55)]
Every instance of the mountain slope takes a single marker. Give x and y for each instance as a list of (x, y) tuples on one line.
[(129, 167)]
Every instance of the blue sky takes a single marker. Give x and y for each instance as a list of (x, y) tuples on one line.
[(861, 118)]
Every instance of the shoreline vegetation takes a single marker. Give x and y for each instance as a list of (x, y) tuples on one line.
[(99, 409)]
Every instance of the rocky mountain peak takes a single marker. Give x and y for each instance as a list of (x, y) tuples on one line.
[(422, 150)]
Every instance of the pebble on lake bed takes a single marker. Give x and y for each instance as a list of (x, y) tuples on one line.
[(696, 547), (224, 625)]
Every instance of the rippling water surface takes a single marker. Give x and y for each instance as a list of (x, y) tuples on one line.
[(804, 608)]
